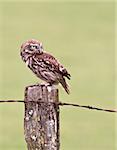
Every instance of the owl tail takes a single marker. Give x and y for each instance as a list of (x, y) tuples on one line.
[(65, 85)]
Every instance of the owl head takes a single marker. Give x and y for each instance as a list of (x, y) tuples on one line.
[(32, 47)]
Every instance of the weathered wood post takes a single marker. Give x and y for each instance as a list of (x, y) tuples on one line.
[(41, 121)]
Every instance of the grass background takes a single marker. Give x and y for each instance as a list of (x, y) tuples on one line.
[(81, 36)]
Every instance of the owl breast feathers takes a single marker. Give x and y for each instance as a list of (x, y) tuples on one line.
[(44, 65)]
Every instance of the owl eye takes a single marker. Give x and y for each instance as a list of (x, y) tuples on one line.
[(34, 47)]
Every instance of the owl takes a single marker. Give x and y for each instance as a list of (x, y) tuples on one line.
[(44, 65)]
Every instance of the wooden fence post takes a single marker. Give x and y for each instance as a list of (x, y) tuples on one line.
[(41, 121)]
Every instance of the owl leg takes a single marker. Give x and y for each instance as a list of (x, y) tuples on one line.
[(45, 84)]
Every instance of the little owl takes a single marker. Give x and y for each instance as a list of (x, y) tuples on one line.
[(43, 64)]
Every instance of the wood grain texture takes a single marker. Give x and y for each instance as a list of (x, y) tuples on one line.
[(41, 122)]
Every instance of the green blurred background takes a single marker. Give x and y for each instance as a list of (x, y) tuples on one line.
[(81, 36)]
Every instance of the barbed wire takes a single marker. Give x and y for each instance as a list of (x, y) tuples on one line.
[(62, 104)]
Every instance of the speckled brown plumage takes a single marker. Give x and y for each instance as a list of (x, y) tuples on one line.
[(43, 64)]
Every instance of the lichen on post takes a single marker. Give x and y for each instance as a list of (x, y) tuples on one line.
[(41, 121)]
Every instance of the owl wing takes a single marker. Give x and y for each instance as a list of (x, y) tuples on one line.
[(53, 64), (52, 70)]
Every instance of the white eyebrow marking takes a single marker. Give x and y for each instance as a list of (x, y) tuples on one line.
[(34, 44)]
